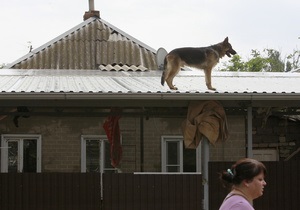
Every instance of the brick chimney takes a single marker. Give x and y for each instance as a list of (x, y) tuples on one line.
[(92, 12)]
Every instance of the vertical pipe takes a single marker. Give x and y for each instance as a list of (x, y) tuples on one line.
[(249, 132), (91, 5), (142, 144), (205, 148)]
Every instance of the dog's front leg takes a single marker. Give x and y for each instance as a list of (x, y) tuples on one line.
[(208, 79)]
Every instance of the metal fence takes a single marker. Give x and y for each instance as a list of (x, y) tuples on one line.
[(152, 191), (43, 191), (127, 191), (64, 191)]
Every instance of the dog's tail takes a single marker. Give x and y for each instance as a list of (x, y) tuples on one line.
[(163, 79)]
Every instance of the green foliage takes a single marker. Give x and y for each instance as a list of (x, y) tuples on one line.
[(270, 60), (256, 63), (293, 60), (235, 64), (274, 60)]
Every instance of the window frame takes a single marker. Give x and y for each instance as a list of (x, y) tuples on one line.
[(20, 139), (102, 140), (177, 138)]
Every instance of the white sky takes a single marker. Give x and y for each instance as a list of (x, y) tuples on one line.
[(249, 24)]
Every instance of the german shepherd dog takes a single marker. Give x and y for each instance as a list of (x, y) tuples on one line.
[(202, 58)]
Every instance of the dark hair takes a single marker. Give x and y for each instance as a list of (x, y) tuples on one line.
[(243, 169)]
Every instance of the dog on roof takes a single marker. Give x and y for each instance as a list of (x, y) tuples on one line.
[(198, 57)]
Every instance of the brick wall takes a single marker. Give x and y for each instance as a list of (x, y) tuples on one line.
[(276, 133), (61, 141), (234, 147), (154, 128), (61, 145)]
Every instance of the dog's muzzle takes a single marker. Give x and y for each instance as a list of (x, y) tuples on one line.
[(230, 52)]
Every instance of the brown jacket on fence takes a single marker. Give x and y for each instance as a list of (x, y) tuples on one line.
[(204, 118)]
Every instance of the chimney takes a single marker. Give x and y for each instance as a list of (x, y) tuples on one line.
[(92, 12)]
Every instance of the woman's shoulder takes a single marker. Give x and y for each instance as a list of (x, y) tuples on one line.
[(236, 202)]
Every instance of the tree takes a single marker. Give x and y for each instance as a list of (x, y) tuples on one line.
[(235, 64), (293, 61), (256, 63), (269, 60), (274, 60)]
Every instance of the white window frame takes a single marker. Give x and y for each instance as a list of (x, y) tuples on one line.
[(20, 139), (164, 140), (102, 139)]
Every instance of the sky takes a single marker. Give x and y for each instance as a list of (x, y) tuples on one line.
[(249, 24)]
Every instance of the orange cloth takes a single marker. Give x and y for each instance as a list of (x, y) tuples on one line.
[(204, 118)]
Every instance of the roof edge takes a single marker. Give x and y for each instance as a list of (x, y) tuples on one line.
[(149, 96)]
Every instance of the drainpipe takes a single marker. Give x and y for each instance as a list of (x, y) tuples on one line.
[(249, 132), (205, 152), (142, 144), (92, 12)]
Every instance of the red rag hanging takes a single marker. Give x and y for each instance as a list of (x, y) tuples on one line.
[(112, 130)]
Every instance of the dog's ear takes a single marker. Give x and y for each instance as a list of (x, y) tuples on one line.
[(225, 40)]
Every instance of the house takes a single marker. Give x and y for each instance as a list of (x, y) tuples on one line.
[(56, 99), (66, 109), (69, 84)]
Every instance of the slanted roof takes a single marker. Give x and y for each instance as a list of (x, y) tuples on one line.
[(93, 44), (129, 88)]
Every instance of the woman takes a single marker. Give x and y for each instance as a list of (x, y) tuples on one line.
[(247, 181)]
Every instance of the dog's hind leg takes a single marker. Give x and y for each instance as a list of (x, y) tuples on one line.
[(172, 68), (169, 82), (208, 78), (163, 75)]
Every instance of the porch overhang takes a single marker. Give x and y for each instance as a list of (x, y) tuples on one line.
[(147, 99), (93, 88)]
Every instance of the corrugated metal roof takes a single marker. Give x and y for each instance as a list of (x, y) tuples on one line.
[(92, 44), (143, 84), (122, 68)]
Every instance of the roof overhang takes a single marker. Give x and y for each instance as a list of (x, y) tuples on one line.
[(75, 88)]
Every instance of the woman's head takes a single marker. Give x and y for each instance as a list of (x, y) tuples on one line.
[(244, 169)]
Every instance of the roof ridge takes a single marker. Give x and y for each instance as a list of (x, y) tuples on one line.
[(129, 36), (72, 30), (38, 49)]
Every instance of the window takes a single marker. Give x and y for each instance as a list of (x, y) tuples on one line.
[(175, 158), (20, 153), (95, 154)]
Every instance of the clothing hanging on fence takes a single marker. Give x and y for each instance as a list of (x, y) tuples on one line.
[(204, 118), (112, 130)]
